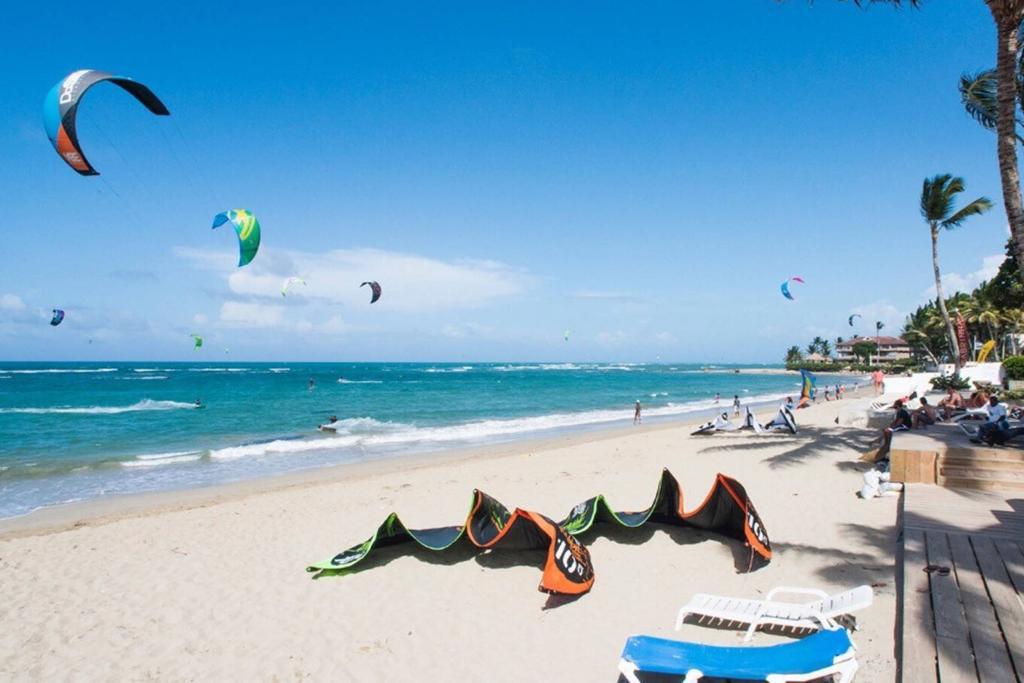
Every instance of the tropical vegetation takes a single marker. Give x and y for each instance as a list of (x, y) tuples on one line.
[(994, 311)]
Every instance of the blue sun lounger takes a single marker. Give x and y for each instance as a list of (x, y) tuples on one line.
[(823, 653)]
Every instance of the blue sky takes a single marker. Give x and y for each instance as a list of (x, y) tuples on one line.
[(644, 176)]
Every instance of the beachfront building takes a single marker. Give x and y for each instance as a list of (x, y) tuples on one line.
[(889, 349)]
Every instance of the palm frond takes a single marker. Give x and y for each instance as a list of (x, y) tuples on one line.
[(978, 95), (975, 208)]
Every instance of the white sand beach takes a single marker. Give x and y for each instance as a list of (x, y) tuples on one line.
[(211, 584)]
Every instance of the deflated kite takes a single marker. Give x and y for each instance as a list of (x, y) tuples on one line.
[(375, 287), (198, 341), (785, 287), (726, 510), (58, 317), (289, 281), (60, 110), (248, 230)]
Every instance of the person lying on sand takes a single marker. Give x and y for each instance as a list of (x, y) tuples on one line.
[(924, 416), (952, 401)]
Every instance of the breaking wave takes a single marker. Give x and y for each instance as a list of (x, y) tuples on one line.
[(145, 404)]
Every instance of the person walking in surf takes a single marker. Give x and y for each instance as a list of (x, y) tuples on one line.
[(637, 419)]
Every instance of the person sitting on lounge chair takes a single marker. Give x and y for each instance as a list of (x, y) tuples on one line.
[(978, 399), (924, 416), (952, 401), (996, 419), (901, 422)]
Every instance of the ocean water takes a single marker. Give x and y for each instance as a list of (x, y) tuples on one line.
[(75, 431)]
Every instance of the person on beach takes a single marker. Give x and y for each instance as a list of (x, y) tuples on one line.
[(789, 402), (718, 397), (978, 399), (735, 404), (925, 415), (952, 401), (828, 392), (840, 389), (878, 378), (637, 418), (996, 419), (901, 422)]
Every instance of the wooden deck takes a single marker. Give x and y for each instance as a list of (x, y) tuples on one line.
[(966, 624)]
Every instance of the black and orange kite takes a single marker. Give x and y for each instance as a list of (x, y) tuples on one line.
[(726, 510)]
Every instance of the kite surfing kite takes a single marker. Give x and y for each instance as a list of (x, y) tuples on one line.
[(566, 335), (58, 317), (807, 385), (376, 291), (855, 315), (289, 281), (785, 287), (198, 341), (60, 111), (248, 230), (567, 570)]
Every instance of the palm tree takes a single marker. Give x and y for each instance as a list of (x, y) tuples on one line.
[(793, 354), (1013, 318), (938, 195), (826, 348), (992, 97), (1008, 15)]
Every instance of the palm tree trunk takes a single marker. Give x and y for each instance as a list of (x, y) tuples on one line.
[(1008, 20), (953, 345)]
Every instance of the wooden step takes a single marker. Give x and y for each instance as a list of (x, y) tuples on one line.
[(981, 471), (980, 478), (986, 463), (1007, 454)]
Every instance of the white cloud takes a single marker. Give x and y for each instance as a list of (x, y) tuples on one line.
[(603, 295), (200, 319), (245, 314), (11, 302), (615, 338), (410, 282), (469, 329), (955, 282)]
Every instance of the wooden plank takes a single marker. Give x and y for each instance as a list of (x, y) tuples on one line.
[(1013, 560), (917, 633), (990, 652), (952, 642), (1004, 598)]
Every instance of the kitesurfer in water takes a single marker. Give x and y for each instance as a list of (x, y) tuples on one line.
[(331, 425), (637, 419), (312, 384)]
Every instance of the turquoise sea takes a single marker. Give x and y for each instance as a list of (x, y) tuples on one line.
[(74, 431)]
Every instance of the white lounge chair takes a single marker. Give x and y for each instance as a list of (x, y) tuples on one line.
[(790, 615), (971, 413)]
